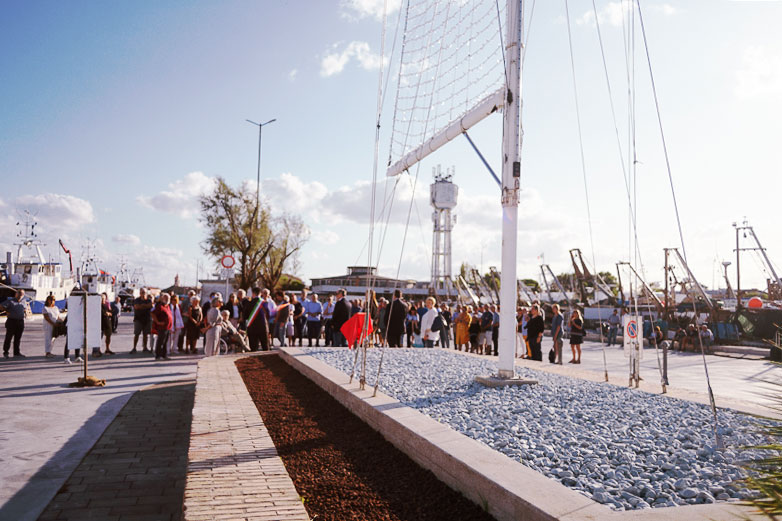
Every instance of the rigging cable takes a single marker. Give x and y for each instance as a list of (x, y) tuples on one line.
[(373, 196), (526, 36), (584, 175), (502, 44), (421, 229), (676, 207), (632, 228), (418, 168)]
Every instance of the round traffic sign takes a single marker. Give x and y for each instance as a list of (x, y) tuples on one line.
[(632, 329), (228, 261)]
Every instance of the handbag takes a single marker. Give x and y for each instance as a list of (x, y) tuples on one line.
[(59, 329)]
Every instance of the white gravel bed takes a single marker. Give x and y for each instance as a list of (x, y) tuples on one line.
[(623, 448)]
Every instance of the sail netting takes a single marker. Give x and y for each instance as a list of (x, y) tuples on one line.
[(451, 69)]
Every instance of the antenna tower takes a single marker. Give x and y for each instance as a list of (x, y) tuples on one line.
[(443, 195)]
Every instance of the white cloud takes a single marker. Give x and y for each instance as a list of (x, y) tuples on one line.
[(159, 264), (162, 264), (339, 219), (298, 195), (292, 74), (326, 237), (56, 212), (127, 238), (182, 195), (666, 9), (334, 62), (358, 9), (760, 74), (615, 13)]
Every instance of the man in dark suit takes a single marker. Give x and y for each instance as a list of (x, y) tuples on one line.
[(258, 329), (396, 320), (341, 315)]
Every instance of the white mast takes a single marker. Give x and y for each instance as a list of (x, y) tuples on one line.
[(511, 175)]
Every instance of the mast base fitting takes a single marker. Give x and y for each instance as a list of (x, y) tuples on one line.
[(89, 381)]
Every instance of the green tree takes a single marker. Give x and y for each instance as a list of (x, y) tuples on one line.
[(492, 280), (263, 244), (608, 277), (532, 284), (566, 280)]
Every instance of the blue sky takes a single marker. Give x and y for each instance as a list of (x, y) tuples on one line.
[(115, 116)]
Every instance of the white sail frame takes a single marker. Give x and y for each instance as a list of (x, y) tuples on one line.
[(484, 108)]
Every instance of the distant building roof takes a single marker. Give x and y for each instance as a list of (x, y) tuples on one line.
[(356, 281)]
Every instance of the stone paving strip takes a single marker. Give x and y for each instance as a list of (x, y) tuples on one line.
[(136, 470), (233, 469)]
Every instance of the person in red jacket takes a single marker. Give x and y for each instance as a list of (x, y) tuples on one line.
[(161, 324)]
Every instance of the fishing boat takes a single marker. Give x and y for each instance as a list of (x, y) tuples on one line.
[(29, 270), (127, 285), (92, 278)]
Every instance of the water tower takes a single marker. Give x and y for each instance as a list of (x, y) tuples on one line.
[(443, 195)]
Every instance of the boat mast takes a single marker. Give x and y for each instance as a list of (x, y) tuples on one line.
[(738, 269), (667, 311), (511, 175), (768, 262), (28, 238)]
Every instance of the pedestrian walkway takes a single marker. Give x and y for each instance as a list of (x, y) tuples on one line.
[(234, 471), (47, 427), (136, 469), (736, 383)]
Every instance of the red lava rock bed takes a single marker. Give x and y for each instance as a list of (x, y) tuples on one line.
[(341, 467)]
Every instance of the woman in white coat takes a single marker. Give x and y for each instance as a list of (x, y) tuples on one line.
[(51, 314), (214, 322), (427, 334)]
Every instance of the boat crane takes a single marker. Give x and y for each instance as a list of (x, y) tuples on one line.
[(647, 289), (584, 277)]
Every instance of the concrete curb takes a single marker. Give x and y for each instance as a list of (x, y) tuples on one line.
[(508, 489)]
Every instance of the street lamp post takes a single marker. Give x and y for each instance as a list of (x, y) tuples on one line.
[(258, 178)]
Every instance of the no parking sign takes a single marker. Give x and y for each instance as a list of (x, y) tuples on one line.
[(632, 335)]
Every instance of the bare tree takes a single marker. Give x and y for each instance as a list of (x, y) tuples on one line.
[(265, 245), (290, 234)]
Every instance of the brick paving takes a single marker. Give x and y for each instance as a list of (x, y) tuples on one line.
[(136, 470), (234, 471)]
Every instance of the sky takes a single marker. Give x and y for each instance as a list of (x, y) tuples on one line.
[(116, 116)]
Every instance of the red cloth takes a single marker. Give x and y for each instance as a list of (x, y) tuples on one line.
[(162, 319), (353, 329)]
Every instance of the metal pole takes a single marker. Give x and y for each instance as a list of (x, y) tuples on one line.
[(511, 175), (738, 270), (765, 256), (667, 297), (258, 176), (86, 353)]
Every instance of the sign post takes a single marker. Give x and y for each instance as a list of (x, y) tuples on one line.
[(633, 346), (84, 315), (227, 262)]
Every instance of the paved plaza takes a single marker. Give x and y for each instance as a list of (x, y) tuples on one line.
[(48, 427), (737, 382), (55, 438)]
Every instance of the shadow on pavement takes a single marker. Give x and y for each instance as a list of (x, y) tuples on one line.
[(30, 500), (136, 467)]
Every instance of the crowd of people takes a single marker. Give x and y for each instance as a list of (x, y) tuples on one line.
[(168, 324)]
